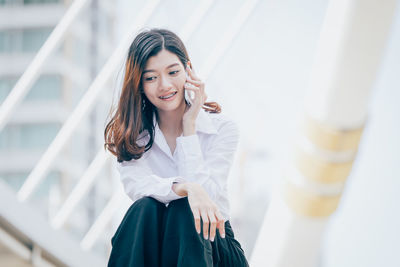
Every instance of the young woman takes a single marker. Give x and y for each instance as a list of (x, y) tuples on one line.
[(174, 154)]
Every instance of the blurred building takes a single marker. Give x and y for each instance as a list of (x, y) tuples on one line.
[(24, 27)]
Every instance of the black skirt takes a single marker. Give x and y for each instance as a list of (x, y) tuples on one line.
[(152, 234)]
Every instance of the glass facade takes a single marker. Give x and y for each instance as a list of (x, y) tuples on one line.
[(28, 136), (28, 2), (47, 88), (59, 87), (16, 179), (23, 40)]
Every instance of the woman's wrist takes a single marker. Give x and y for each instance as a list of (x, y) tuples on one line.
[(189, 128), (180, 189), (183, 189)]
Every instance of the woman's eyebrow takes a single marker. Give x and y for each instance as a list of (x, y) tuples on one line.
[(170, 66)]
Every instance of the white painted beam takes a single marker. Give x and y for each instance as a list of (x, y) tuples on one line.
[(350, 48)]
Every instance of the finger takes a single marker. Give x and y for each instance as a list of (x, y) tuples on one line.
[(196, 216), (208, 109), (198, 96), (191, 86), (204, 217), (191, 72), (195, 82), (220, 224), (195, 91), (213, 224)]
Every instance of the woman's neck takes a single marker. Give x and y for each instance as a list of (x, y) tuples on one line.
[(170, 122)]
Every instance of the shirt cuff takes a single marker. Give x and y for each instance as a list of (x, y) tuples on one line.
[(172, 193), (162, 190)]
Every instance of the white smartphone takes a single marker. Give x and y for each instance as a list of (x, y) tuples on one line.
[(187, 97), (188, 94)]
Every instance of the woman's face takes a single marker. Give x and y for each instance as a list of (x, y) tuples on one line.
[(163, 76)]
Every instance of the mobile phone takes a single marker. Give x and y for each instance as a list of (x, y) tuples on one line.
[(188, 97), (188, 94)]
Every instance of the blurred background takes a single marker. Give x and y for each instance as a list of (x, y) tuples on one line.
[(61, 198)]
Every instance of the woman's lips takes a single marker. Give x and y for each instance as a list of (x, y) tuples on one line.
[(170, 98)]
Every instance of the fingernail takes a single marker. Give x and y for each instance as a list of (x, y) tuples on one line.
[(212, 239), (223, 235), (206, 237)]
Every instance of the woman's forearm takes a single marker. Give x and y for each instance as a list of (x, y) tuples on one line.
[(189, 128), (183, 189)]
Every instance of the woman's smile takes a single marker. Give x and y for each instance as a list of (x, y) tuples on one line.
[(168, 97)]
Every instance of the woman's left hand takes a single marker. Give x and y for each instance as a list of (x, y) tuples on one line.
[(194, 84)]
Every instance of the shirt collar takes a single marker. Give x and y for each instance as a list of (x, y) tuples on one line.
[(204, 123)]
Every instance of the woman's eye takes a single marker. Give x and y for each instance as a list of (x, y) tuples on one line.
[(152, 78)]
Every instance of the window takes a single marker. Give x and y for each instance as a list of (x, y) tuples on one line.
[(16, 179), (6, 85), (23, 40), (10, 2), (47, 87), (28, 136), (33, 39), (27, 2), (9, 41)]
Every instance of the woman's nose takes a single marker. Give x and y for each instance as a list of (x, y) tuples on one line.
[(165, 84)]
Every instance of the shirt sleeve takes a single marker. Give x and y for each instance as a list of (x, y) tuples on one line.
[(211, 170), (139, 181)]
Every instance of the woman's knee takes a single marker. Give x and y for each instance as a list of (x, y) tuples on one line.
[(144, 212), (146, 207), (180, 206), (180, 215), (147, 202)]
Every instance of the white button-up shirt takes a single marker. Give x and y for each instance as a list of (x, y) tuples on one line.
[(204, 158)]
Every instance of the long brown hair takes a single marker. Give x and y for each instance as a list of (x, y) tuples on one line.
[(134, 113)]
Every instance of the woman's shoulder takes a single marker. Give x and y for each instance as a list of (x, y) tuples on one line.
[(223, 122), (141, 141)]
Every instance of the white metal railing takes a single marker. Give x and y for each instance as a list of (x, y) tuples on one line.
[(226, 40), (30, 75), (101, 222), (84, 106), (80, 189), (195, 19)]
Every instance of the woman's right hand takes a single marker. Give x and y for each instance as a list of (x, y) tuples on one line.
[(203, 207)]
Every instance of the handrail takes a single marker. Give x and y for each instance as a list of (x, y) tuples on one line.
[(84, 106), (224, 42), (31, 74)]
